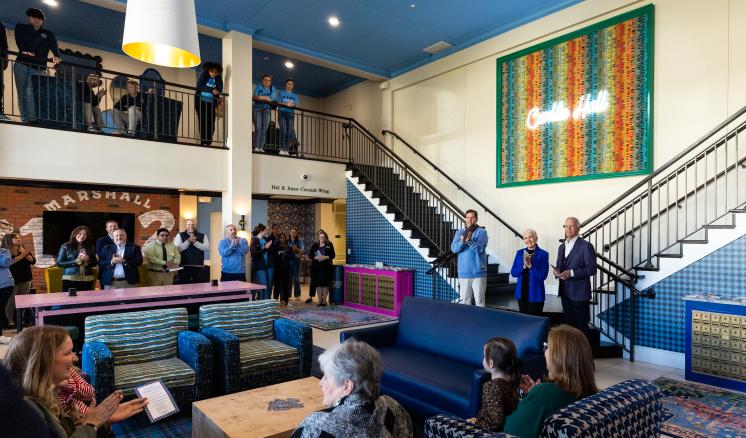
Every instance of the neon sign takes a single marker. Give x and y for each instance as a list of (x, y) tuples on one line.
[(558, 112)]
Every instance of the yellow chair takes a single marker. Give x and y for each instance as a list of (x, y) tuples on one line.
[(53, 276)]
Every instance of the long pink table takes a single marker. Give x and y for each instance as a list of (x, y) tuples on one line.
[(60, 303)]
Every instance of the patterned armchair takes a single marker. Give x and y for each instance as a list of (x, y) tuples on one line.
[(630, 408), (254, 347), (125, 350)]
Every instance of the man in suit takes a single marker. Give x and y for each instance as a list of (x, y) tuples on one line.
[(119, 263), (576, 264), (102, 242)]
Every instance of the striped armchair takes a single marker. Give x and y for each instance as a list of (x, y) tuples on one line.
[(124, 350), (253, 346)]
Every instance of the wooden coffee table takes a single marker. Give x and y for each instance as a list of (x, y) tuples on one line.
[(245, 414)]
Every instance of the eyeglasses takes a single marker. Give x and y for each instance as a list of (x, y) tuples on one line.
[(570, 226), (546, 346)]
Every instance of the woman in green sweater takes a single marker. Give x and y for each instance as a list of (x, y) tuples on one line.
[(570, 365)]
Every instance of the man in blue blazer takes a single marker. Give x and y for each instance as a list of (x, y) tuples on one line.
[(119, 263), (103, 242), (576, 264)]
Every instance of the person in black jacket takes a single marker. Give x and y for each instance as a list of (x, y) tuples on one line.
[(283, 256), (3, 66), (322, 270), (207, 99), (91, 112), (34, 44), (17, 416)]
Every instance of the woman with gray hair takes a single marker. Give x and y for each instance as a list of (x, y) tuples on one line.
[(530, 268), (354, 408)]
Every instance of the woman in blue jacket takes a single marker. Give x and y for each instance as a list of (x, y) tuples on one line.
[(530, 267)]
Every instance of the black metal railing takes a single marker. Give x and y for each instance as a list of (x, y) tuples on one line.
[(81, 97), (695, 190)]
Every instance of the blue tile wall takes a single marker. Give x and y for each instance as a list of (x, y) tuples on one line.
[(661, 321), (371, 238)]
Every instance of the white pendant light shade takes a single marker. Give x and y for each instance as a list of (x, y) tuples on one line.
[(162, 32)]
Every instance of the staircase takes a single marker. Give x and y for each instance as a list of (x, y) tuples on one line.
[(661, 220)]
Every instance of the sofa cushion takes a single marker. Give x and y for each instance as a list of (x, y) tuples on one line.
[(173, 372), (137, 337), (441, 382), (247, 320), (265, 354), (459, 332)]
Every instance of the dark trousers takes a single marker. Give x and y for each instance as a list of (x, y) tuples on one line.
[(192, 274), (529, 308), (228, 276), (282, 283), (5, 295), (206, 115), (78, 285), (577, 314)]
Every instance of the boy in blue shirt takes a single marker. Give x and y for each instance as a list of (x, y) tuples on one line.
[(263, 97), (288, 101)]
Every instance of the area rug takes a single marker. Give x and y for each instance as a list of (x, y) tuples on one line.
[(177, 426), (334, 317), (692, 410)]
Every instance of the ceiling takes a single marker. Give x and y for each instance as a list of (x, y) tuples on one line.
[(383, 38)]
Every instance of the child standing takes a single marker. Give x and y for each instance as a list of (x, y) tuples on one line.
[(500, 394)]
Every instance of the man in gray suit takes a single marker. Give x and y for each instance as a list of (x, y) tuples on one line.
[(576, 264)]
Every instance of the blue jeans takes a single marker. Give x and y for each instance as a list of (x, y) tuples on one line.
[(264, 277), (26, 100), (261, 123), (287, 130), (295, 277)]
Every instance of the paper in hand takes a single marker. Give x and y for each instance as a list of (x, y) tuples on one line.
[(161, 402)]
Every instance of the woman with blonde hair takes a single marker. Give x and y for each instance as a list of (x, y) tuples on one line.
[(39, 358), (571, 377)]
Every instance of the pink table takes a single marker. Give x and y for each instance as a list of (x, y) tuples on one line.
[(60, 303)]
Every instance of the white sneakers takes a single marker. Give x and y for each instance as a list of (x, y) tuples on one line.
[(285, 153)]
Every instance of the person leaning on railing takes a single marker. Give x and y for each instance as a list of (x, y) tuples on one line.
[(127, 110), (207, 99), (263, 97), (34, 44), (91, 112)]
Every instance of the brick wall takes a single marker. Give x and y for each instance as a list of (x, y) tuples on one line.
[(22, 207)]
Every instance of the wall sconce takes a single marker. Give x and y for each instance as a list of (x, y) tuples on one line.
[(242, 223)]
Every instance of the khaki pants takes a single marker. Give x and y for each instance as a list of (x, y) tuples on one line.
[(160, 278), (120, 284), (92, 116), (127, 120)]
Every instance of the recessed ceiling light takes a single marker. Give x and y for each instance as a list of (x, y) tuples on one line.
[(412, 5), (51, 3), (289, 64), (333, 21)]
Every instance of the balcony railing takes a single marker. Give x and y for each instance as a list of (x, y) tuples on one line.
[(80, 97)]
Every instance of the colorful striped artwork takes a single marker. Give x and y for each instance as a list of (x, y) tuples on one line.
[(578, 106)]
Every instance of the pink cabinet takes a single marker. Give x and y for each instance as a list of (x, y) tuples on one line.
[(375, 289)]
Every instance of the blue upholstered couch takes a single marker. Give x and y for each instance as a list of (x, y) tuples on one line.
[(432, 358), (629, 409), (125, 350), (254, 347)]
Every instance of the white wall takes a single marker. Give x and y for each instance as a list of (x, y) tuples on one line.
[(362, 102), (274, 175), (30, 153), (447, 109)]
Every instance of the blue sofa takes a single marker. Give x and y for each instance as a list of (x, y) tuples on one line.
[(432, 358), (629, 409)]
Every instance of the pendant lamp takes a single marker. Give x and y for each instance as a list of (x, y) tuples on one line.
[(162, 32)]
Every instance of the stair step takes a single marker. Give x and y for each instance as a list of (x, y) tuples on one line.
[(720, 227), (738, 210), (606, 350), (671, 256), (643, 268), (696, 241)]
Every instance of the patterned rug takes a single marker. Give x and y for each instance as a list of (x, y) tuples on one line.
[(692, 410), (334, 317)]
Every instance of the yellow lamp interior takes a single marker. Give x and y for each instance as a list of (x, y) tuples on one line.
[(161, 54)]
